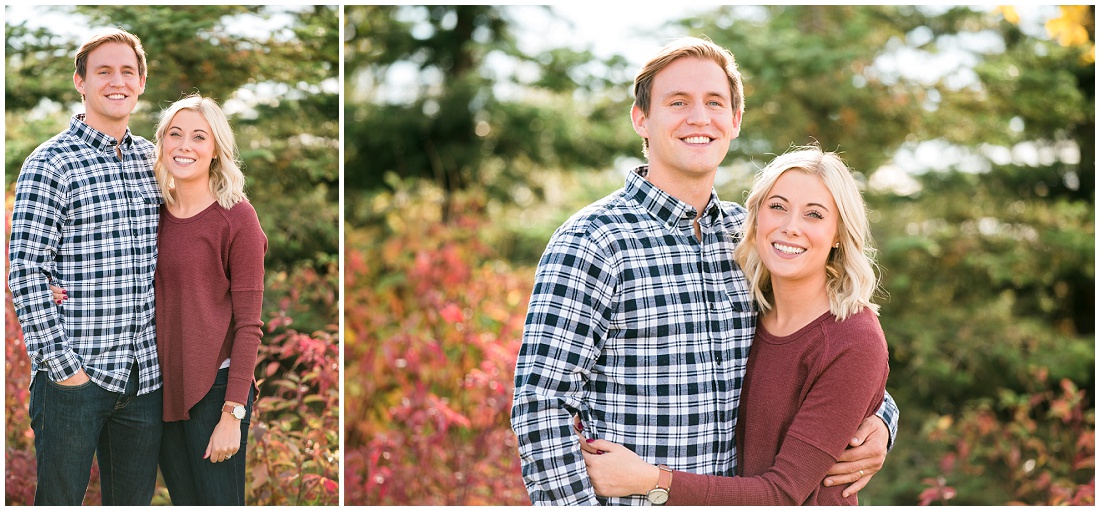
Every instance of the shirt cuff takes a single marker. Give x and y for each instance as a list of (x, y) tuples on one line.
[(63, 366)]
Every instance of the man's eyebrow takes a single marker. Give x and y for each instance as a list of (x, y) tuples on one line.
[(675, 93), (123, 66)]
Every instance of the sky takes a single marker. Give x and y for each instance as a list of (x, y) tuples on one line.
[(59, 20)]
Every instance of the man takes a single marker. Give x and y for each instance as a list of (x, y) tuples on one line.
[(640, 323), (85, 217)]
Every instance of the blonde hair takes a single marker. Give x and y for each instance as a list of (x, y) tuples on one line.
[(694, 47), (226, 178), (849, 271)]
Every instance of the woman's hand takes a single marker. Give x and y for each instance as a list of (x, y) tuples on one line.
[(59, 295), (226, 439), (618, 472)]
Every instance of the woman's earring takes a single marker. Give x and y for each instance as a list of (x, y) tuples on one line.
[(837, 245)]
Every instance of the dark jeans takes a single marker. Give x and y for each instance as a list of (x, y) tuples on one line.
[(72, 423), (192, 480)]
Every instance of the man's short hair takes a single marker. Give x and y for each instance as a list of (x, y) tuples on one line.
[(112, 35), (688, 47)]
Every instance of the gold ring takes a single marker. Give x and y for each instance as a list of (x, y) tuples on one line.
[(861, 474)]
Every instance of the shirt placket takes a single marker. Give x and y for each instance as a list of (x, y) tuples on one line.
[(711, 339), (128, 207), (725, 335), (696, 252)]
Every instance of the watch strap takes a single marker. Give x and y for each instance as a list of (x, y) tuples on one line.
[(664, 480), (232, 410), (659, 495)]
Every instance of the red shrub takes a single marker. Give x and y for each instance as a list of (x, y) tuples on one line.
[(1039, 446), (432, 329)]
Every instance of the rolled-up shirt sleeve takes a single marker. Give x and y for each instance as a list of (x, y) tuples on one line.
[(889, 414), (567, 320), (37, 217)]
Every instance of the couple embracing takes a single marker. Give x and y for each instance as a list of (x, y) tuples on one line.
[(680, 349), (137, 272)]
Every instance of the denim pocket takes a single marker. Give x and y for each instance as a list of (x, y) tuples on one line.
[(70, 388)]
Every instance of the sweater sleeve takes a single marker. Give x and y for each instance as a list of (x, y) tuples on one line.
[(847, 386), (248, 245)]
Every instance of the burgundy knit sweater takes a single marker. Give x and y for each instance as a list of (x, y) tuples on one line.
[(209, 291), (804, 396)]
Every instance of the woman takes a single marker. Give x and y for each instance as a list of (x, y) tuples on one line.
[(209, 292), (818, 363)]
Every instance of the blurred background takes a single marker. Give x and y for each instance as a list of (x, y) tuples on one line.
[(472, 132), (275, 71)]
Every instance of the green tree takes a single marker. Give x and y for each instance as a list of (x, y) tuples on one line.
[(459, 128)]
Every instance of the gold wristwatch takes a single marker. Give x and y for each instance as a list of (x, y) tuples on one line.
[(659, 495)]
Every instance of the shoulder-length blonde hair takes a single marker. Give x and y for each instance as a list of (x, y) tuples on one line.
[(226, 178), (850, 275)]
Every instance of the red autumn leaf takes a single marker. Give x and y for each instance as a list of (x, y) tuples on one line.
[(451, 313)]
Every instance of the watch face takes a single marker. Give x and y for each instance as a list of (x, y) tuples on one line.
[(238, 412), (657, 496)]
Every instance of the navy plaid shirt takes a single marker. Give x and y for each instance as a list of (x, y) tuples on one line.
[(87, 221), (642, 330)]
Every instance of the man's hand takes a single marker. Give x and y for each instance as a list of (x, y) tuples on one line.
[(80, 378), (862, 459)]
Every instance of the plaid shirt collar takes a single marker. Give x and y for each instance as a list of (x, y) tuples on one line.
[(80, 129), (671, 211)]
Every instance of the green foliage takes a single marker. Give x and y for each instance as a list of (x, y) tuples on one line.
[(432, 329), (806, 76), (463, 129), (991, 280)]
